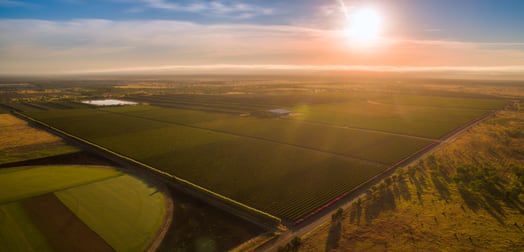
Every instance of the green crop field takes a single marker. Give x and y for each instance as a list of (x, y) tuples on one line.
[(30, 181), (124, 211), (121, 210), (342, 141), (284, 166), (418, 120), (17, 232)]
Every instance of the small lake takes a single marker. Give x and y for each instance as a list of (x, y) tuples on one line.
[(109, 102)]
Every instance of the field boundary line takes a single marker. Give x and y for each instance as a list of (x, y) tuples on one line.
[(402, 162), (370, 180), (179, 180), (309, 224), (253, 137), (363, 129)]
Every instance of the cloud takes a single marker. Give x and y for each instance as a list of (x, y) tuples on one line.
[(218, 8), (40, 46)]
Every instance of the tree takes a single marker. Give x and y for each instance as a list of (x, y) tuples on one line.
[(295, 243), (337, 216), (292, 245)]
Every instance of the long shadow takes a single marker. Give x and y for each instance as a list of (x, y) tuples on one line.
[(494, 208), (417, 184), (80, 157), (355, 213), (403, 188), (514, 204), (333, 239), (475, 201), (471, 200), (441, 187), (383, 202), (421, 184)]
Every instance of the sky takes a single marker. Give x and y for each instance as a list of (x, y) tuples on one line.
[(101, 36)]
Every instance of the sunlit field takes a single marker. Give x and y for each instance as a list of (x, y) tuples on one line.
[(286, 166), (61, 207)]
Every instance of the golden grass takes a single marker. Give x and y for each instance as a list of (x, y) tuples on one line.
[(426, 212), (19, 141), (16, 132)]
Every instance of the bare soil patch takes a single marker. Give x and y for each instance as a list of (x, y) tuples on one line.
[(63, 229)]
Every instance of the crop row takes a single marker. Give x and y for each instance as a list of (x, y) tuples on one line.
[(256, 173), (335, 140), (199, 104)]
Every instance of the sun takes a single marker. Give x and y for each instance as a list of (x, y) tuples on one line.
[(365, 25)]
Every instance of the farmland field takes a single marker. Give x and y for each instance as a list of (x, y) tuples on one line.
[(26, 182), (460, 198), (81, 208), (17, 232), (19, 141), (284, 166), (40, 214), (123, 210)]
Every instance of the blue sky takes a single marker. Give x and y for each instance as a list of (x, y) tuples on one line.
[(77, 35)]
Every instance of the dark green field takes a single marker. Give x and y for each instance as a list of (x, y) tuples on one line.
[(284, 166)]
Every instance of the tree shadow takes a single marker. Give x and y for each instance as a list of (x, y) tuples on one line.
[(384, 201), (471, 200), (334, 234), (494, 208), (403, 188), (420, 184), (355, 213), (514, 204), (442, 187)]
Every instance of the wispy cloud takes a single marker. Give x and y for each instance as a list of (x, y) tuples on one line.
[(105, 45), (220, 8)]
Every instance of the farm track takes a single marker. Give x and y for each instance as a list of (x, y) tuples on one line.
[(345, 202), (369, 161)]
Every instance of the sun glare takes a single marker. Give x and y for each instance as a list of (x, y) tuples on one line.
[(364, 26)]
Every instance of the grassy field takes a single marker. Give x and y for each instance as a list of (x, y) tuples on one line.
[(24, 182), (124, 211), (467, 196), (249, 159), (17, 231), (342, 141), (20, 142), (215, 160), (418, 120)]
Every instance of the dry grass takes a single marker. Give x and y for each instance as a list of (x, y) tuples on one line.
[(19, 141), (426, 211), (16, 133)]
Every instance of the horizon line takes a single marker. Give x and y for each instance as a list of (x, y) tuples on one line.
[(504, 69)]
